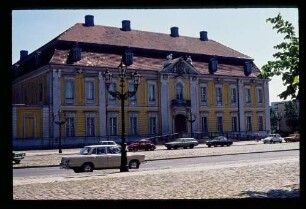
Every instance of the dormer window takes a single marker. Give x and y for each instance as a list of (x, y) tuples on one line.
[(127, 57), (248, 68), (213, 65), (76, 53)]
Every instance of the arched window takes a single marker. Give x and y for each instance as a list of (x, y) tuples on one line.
[(179, 91)]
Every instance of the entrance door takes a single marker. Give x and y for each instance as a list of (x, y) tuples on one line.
[(29, 127), (180, 124)]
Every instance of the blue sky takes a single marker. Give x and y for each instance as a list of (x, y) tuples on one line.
[(244, 30)]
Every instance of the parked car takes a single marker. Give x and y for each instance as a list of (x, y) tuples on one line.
[(182, 143), (96, 157), (219, 141), (18, 156), (143, 144), (272, 138), (292, 138), (108, 143)]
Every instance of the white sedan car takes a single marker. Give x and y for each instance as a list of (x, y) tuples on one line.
[(273, 138)]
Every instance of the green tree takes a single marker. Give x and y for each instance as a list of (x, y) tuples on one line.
[(291, 116), (286, 61), (273, 120)]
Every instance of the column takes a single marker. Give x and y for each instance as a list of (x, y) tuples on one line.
[(45, 122), (241, 105), (267, 107), (194, 94), (56, 92), (102, 106), (165, 108)]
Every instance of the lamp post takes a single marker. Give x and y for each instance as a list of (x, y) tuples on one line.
[(121, 95), (59, 122), (191, 117)]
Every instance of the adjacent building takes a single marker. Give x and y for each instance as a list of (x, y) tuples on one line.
[(63, 80), (280, 110)]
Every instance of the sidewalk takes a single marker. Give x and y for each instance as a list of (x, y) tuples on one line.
[(45, 158)]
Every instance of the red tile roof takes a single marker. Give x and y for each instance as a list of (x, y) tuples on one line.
[(146, 40), (94, 59)]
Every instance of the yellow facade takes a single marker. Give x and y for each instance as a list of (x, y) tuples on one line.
[(29, 122)]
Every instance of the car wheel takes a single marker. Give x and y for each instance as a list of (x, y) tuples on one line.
[(134, 164), (222, 145), (185, 147), (215, 145), (87, 167), (169, 148), (77, 170), (271, 141), (209, 145), (17, 161), (228, 144), (191, 146), (175, 147)]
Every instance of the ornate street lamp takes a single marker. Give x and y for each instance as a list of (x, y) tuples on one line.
[(191, 117), (121, 95), (60, 122)]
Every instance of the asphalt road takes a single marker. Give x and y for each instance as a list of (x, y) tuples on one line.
[(168, 163)]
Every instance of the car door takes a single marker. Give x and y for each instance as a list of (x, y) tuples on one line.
[(113, 157), (100, 158)]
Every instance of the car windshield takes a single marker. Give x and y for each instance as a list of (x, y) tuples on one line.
[(85, 150)]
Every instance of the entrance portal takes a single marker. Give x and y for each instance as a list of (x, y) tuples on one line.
[(180, 124)]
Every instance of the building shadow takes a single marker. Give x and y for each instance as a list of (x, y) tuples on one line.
[(273, 193)]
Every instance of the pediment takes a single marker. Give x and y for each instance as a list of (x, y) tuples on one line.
[(179, 66)]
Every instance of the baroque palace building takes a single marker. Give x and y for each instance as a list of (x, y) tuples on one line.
[(179, 75)]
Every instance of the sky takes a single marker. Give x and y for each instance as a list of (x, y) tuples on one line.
[(244, 30)]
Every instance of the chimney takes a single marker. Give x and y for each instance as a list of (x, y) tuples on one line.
[(89, 21), (126, 25), (174, 32), (23, 54), (203, 36)]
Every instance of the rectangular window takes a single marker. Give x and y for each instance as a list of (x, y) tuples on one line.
[(234, 123), (151, 93), (90, 124), (260, 123), (204, 124), (259, 96), (248, 96), (89, 90), (70, 124), (132, 89), (219, 96), (69, 90), (219, 124), (112, 87), (203, 94), (249, 123), (133, 125), (152, 125), (113, 125), (233, 95)]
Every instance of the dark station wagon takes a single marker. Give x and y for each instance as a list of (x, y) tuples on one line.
[(219, 141)]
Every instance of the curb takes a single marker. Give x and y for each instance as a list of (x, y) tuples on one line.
[(240, 153)]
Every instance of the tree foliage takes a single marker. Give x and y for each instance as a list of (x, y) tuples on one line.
[(273, 120), (286, 61), (291, 116)]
